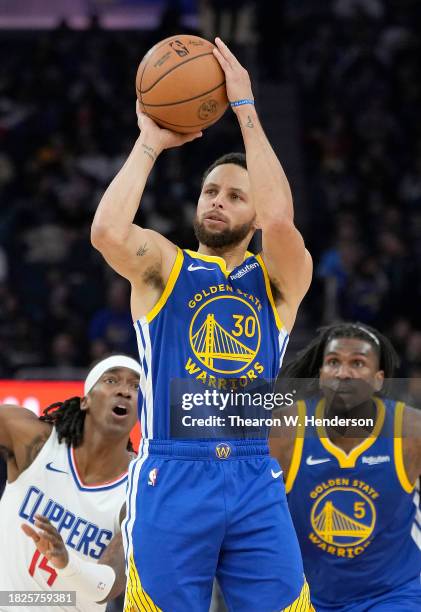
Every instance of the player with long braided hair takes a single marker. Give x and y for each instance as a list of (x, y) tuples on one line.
[(351, 465), (68, 469)]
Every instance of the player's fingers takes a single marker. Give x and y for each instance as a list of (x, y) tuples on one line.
[(190, 137), (50, 536), (227, 54), (49, 539), (44, 523), (42, 519), (27, 530), (221, 59), (139, 111)]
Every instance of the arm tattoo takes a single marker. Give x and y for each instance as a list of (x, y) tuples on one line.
[(33, 449), (141, 250), (249, 123), (150, 152)]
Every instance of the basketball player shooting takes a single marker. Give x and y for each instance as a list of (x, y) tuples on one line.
[(197, 509), (67, 471)]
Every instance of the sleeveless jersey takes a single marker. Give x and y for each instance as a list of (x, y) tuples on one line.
[(86, 516), (210, 329), (355, 515)]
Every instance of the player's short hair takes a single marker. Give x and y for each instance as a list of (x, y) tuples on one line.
[(239, 159)]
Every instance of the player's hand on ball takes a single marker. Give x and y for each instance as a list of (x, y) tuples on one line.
[(48, 541), (237, 78), (161, 138)]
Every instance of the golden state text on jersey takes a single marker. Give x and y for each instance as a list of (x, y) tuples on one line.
[(210, 326)]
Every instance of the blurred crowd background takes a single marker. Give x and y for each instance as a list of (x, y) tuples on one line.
[(339, 90)]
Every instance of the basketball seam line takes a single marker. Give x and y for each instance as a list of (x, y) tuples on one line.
[(205, 93), (150, 53), (168, 72), (199, 125)]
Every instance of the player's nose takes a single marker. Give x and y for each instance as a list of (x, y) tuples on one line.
[(126, 390), (218, 201), (343, 371)]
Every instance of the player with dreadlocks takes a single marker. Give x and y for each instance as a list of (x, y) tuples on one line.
[(351, 482), (67, 474)]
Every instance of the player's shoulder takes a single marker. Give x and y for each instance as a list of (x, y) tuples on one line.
[(411, 422)]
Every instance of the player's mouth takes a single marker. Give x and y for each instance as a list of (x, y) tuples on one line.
[(120, 410), (215, 218)]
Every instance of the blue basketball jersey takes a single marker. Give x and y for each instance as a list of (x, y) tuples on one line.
[(212, 328), (356, 515)]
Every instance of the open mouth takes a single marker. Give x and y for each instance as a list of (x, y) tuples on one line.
[(120, 411)]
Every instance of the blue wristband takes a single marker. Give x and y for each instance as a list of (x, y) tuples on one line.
[(241, 102)]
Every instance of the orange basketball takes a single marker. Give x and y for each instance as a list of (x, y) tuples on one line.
[(180, 84)]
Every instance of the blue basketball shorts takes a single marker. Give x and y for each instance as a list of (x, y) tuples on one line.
[(200, 510), (405, 598)]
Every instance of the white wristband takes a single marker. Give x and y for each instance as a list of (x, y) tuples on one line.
[(92, 581)]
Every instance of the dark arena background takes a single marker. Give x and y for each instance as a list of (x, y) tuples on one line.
[(337, 85)]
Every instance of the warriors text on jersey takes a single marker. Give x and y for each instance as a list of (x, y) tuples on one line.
[(211, 329), (86, 516), (356, 515), (208, 506)]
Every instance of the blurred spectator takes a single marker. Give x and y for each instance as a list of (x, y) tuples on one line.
[(113, 324), (230, 10)]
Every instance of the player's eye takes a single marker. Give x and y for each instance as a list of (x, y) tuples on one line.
[(110, 380), (358, 363), (210, 191), (332, 362)]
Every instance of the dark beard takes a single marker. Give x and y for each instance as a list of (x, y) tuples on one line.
[(220, 240)]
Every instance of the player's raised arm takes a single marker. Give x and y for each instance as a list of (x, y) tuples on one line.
[(128, 248), (289, 263)]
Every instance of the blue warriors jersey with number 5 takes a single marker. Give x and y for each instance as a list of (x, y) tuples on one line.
[(356, 515), (217, 328)]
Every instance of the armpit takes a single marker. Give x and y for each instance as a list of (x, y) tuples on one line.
[(5, 453), (152, 276), (276, 292)]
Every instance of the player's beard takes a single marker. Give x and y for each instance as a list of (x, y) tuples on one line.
[(225, 238)]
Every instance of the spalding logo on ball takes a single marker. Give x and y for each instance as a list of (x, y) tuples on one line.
[(181, 85)]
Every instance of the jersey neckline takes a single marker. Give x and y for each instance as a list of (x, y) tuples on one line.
[(347, 460), (102, 486)]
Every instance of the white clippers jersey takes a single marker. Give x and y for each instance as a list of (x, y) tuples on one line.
[(86, 516)]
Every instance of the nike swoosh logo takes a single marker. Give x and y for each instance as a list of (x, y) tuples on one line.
[(193, 268), (311, 461), (276, 474), (50, 467)]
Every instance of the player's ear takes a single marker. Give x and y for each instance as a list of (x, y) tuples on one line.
[(84, 403), (378, 380)]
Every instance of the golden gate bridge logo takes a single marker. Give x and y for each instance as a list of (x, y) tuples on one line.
[(339, 527), (227, 347)]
